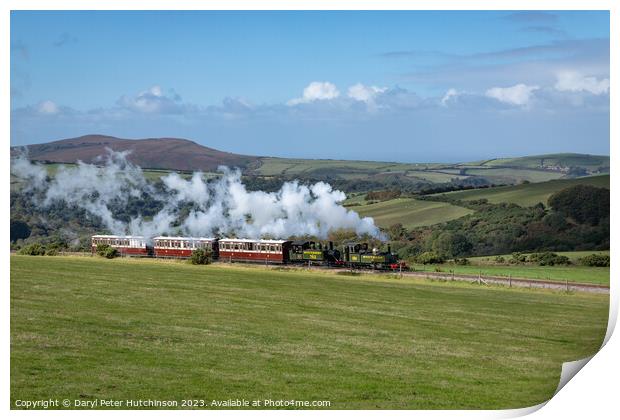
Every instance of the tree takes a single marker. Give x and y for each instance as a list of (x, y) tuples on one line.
[(451, 244), (585, 204), (19, 230)]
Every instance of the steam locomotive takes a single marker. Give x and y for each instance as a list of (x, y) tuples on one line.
[(355, 255)]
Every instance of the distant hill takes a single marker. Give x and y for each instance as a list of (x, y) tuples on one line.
[(186, 155), (526, 194), (556, 161), (160, 153)]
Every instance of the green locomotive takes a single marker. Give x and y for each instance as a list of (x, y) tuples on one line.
[(313, 253), (358, 255)]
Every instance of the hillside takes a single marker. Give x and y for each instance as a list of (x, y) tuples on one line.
[(185, 155), (525, 194), (409, 212), (161, 153)]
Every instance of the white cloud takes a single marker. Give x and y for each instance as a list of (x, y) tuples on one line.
[(451, 93), (317, 91), (152, 100), (575, 82), (515, 95), (362, 93), (48, 108)]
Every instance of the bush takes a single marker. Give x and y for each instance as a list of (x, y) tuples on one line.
[(461, 261), (595, 260), (548, 258), (517, 258), (499, 259), (111, 253), (429, 257), (105, 250), (33, 249), (200, 256)]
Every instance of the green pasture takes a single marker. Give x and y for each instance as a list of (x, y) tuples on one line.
[(410, 212), (526, 194), (88, 328)]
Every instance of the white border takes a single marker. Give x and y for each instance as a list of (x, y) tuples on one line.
[(592, 393)]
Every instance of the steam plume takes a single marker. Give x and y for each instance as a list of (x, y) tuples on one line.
[(220, 207)]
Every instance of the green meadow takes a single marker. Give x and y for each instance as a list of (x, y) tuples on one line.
[(89, 328)]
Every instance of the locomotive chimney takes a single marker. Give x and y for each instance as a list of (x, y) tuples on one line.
[(389, 249), (331, 246)]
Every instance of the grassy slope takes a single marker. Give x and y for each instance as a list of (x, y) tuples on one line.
[(410, 212), (592, 162), (577, 274), (527, 194), (90, 328), (511, 175)]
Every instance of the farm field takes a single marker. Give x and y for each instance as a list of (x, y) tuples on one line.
[(410, 212), (573, 255), (591, 162), (90, 328), (576, 274), (526, 194), (510, 175)]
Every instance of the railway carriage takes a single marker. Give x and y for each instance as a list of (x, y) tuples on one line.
[(182, 247), (127, 245), (253, 250)]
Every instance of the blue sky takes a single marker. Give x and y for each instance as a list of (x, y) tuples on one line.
[(399, 86)]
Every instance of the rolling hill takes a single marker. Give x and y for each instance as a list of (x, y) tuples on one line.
[(185, 155), (160, 153), (409, 212), (526, 194)]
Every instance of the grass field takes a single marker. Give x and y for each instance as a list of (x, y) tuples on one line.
[(410, 212), (573, 255), (592, 162), (527, 194), (88, 328), (509, 175), (576, 274)]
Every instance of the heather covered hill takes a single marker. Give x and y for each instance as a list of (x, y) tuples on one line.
[(160, 153)]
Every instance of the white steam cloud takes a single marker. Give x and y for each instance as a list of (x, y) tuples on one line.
[(221, 207)]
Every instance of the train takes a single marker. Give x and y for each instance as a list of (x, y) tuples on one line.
[(267, 251)]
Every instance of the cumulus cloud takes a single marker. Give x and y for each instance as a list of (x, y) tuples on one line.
[(519, 94), (362, 93), (48, 108), (573, 81), (448, 96), (317, 91), (153, 101)]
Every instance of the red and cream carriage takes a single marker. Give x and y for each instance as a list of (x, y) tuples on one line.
[(126, 245), (252, 250), (182, 247)]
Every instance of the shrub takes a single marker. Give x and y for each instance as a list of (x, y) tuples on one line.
[(517, 258), (200, 256), (595, 260), (461, 261), (111, 253), (548, 258), (499, 259), (33, 249), (429, 257), (105, 250)]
